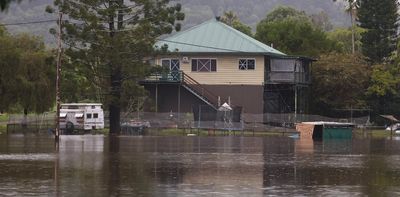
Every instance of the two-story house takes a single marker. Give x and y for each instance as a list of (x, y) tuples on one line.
[(213, 63)]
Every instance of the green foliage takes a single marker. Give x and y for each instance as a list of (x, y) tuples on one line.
[(231, 19), (385, 80), (292, 32), (342, 37), (379, 18), (110, 40), (339, 81), (27, 77)]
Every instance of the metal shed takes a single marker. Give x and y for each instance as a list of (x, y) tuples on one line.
[(325, 130)]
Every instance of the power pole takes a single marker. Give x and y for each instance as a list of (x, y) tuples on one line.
[(58, 99)]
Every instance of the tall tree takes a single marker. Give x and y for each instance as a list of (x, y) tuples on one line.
[(352, 8), (35, 75), (27, 73), (379, 19), (344, 39), (340, 81), (112, 38), (292, 32), (231, 19), (9, 61)]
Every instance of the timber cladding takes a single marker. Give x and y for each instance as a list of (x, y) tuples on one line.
[(227, 71)]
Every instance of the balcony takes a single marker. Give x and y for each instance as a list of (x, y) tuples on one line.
[(288, 70), (288, 77), (167, 77)]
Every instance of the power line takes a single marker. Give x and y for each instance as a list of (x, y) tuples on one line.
[(28, 23)]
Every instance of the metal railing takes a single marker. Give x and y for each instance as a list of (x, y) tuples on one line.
[(288, 77), (200, 90)]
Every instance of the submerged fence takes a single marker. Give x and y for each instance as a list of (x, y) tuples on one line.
[(44, 123)]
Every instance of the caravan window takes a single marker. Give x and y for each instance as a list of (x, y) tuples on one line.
[(95, 115), (88, 116)]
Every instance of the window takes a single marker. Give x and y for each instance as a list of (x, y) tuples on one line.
[(247, 64), (95, 115), (204, 65), (88, 116), (171, 64)]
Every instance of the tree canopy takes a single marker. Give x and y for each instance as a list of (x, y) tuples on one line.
[(111, 39), (380, 20), (292, 32), (27, 79), (231, 19), (340, 81)]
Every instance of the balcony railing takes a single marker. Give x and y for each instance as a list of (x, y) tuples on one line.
[(288, 77), (172, 76)]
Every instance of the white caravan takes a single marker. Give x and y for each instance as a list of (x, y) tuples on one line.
[(81, 116)]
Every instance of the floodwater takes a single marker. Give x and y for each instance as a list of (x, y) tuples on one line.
[(197, 166)]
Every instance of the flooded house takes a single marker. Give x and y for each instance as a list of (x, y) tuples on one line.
[(213, 63)]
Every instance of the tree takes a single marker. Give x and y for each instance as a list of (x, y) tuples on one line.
[(383, 91), (339, 81), (379, 19), (344, 39), (27, 77), (231, 19), (111, 39), (9, 59), (35, 75), (352, 8), (292, 32)]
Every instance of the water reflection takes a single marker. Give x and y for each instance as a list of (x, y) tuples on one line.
[(197, 166)]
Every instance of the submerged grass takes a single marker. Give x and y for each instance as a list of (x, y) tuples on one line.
[(203, 132)]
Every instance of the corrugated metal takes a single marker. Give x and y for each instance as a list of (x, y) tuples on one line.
[(215, 37), (337, 133)]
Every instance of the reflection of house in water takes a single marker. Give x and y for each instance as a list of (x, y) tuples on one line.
[(219, 165)]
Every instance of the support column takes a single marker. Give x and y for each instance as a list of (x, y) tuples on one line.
[(179, 102), (156, 98)]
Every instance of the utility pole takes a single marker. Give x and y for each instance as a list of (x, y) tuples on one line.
[(58, 99)]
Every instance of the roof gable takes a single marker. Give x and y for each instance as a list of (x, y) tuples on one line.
[(215, 37)]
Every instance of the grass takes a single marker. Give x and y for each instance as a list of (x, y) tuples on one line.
[(4, 118), (3, 128), (202, 132), (373, 133)]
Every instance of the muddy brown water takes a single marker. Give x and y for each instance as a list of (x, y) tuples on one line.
[(197, 166)]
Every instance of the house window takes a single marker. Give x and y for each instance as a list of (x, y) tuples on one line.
[(95, 115), (88, 116), (247, 64), (172, 64), (204, 65)]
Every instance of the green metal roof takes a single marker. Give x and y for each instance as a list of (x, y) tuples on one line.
[(215, 37)]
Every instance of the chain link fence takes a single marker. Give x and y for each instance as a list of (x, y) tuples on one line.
[(223, 121)]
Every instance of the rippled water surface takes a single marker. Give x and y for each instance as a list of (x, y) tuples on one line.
[(197, 166)]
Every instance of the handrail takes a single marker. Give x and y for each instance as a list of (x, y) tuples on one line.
[(200, 89)]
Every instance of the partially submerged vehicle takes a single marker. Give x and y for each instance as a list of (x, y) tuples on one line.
[(325, 130), (81, 117)]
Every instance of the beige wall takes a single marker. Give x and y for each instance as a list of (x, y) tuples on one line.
[(227, 70)]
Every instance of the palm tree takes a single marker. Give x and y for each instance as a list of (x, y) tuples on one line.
[(351, 8)]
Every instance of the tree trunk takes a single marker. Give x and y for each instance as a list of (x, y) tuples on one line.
[(116, 79)]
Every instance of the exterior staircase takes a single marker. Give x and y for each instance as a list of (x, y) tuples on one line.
[(199, 90)]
